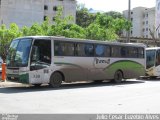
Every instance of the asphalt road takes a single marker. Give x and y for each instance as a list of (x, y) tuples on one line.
[(131, 96)]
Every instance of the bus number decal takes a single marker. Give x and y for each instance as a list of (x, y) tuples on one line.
[(36, 76)]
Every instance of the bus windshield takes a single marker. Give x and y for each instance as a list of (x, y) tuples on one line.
[(18, 53), (150, 58)]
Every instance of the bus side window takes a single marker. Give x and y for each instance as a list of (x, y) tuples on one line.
[(84, 50), (68, 49), (99, 50), (133, 52), (158, 58), (107, 51), (123, 52), (57, 48), (89, 51), (115, 51), (79, 49), (140, 52)]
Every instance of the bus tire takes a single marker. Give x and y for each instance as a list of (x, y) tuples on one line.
[(98, 81), (118, 76), (37, 85), (56, 80)]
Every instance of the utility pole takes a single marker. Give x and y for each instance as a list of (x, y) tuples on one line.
[(129, 19)]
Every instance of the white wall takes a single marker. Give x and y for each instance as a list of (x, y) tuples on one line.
[(27, 12)]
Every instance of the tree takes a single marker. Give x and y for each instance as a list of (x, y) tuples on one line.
[(120, 24), (116, 24), (6, 35), (112, 21), (114, 14), (73, 31), (101, 28), (83, 17), (62, 27)]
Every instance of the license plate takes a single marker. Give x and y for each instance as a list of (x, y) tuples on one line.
[(12, 78)]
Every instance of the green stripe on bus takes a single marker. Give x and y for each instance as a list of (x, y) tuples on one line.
[(125, 65), (24, 78)]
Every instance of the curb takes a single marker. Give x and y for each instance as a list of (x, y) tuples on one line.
[(9, 84)]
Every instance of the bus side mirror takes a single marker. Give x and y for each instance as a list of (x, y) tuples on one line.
[(35, 54)]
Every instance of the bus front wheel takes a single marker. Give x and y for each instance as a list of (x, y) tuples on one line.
[(56, 80), (118, 76)]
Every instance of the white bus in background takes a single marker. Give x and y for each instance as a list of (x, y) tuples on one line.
[(39, 60), (153, 62)]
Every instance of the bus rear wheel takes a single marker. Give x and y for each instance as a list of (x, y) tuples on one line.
[(56, 80), (98, 81), (118, 76), (37, 85)]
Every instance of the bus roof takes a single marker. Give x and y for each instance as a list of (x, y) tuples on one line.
[(82, 40), (153, 48)]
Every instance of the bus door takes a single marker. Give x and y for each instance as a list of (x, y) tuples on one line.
[(40, 61), (158, 61)]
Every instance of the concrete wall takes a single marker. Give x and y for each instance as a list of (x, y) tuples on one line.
[(27, 12)]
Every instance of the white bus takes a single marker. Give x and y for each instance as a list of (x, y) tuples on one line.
[(39, 60), (153, 62)]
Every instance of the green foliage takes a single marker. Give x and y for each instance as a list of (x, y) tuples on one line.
[(95, 31), (114, 14), (101, 26), (6, 35), (73, 31), (101, 29), (83, 17), (45, 26), (36, 30)]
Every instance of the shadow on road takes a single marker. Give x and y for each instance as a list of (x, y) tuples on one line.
[(21, 89), (150, 79)]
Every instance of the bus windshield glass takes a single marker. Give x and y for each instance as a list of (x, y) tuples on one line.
[(18, 53), (150, 58)]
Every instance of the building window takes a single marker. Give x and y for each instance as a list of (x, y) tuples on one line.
[(131, 12), (53, 18), (55, 8), (146, 29), (147, 15), (131, 19), (143, 22), (45, 7), (143, 30), (45, 18), (147, 22)]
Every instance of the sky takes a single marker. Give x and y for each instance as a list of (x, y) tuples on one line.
[(116, 5)]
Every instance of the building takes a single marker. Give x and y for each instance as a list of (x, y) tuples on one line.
[(158, 18), (27, 12), (143, 21)]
